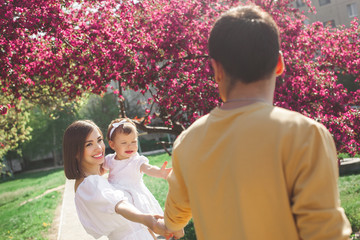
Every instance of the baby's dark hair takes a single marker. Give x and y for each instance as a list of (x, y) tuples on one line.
[(245, 40), (120, 125)]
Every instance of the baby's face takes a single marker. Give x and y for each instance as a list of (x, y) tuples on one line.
[(125, 145)]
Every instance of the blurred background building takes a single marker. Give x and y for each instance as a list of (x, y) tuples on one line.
[(332, 12)]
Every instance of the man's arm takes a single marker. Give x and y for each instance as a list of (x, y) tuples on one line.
[(313, 175), (177, 206)]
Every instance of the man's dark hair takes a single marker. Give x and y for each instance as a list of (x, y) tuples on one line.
[(245, 40)]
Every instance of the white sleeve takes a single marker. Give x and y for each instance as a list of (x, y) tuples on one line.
[(95, 201), (140, 160), (98, 193)]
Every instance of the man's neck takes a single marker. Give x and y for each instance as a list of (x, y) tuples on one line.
[(242, 94)]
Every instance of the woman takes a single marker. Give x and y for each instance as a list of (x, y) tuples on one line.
[(102, 209)]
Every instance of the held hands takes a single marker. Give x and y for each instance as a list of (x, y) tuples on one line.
[(156, 225), (160, 224), (179, 234)]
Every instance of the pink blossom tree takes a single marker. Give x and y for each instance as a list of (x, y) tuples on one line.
[(56, 50)]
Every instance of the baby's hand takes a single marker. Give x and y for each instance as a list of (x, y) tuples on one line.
[(165, 171)]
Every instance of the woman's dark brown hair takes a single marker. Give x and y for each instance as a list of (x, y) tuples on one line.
[(73, 146)]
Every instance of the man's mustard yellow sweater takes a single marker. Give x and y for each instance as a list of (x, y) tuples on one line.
[(256, 172)]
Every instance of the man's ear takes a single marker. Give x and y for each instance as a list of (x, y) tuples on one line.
[(218, 70), (280, 67)]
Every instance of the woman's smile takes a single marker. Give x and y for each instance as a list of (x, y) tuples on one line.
[(100, 155)]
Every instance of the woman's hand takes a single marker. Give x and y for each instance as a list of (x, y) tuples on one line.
[(153, 222)]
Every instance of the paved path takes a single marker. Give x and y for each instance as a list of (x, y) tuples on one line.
[(70, 227)]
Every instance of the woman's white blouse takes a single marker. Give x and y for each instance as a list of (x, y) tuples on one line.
[(95, 201)]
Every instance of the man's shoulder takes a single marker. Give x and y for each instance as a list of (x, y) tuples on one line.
[(198, 123), (291, 116), (195, 126), (295, 120)]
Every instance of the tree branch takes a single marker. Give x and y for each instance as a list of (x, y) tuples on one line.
[(181, 59), (176, 130)]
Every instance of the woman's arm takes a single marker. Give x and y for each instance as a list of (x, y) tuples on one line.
[(131, 213), (154, 171)]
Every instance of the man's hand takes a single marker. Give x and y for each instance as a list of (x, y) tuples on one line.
[(155, 223), (176, 235), (179, 234)]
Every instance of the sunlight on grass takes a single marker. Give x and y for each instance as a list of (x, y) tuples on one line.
[(32, 219), (158, 186), (7, 197), (27, 221), (349, 187)]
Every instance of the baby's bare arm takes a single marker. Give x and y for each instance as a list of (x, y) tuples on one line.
[(154, 171)]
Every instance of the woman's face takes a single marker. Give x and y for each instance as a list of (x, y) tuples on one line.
[(94, 149)]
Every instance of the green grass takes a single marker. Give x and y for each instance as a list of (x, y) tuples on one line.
[(346, 155), (158, 186), (349, 187), (33, 219)]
